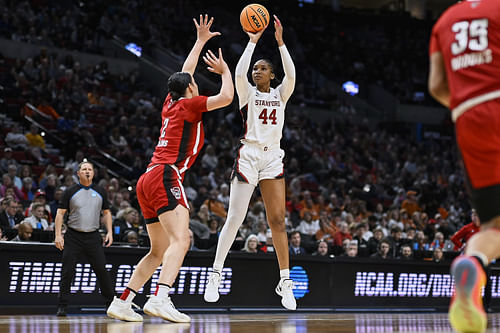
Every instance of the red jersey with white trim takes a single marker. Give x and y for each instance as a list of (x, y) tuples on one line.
[(181, 135), (468, 37)]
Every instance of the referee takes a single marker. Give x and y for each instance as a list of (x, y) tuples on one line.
[(83, 203)]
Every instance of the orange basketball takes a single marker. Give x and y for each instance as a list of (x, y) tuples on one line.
[(254, 17)]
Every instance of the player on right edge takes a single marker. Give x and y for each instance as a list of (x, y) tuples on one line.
[(465, 76)]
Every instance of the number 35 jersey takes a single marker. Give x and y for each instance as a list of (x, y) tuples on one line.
[(468, 37), (263, 112)]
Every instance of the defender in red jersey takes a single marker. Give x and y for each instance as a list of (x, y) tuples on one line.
[(465, 76), (159, 190)]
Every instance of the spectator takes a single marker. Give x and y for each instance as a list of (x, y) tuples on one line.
[(8, 184), (341, 234), (209, 160), (438, 241), (406, 253), (321, 249), (41, 198), (55, 201), (214, 230), (461, 237), (16, 140), (7, 160), (262, 230), (410, 204), (437, 255), (36, 143), (351, 250), (383, 250), (116, 139), (373, 242), (24, 232), (13, 176), (268, 246), (295, 246), (396, 241), (37, 220), (326, 230), (192, 247), (419, 242), (131, 237), (27, 189), (362, 244), (224, 195), (10, 217), (307, 227), (251, 244), (128, 219)]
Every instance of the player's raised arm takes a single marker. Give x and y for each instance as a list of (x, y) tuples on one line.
[(203, 35), (288, 85), (241, 72), (219, 66)]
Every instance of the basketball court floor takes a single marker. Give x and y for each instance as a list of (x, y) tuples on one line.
[(241, 323)]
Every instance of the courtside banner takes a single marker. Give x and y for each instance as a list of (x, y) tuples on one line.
[(30, 275)]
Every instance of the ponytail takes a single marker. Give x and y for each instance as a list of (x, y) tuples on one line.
[(178, 83)]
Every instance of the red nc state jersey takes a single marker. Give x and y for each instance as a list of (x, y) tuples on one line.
[(181, 136), (468, 37)]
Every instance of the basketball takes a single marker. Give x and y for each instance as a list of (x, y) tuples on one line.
[(254, 18)]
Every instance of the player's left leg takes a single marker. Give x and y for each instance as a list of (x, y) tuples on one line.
[(273, 194)]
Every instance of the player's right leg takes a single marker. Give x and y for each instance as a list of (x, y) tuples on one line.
[(239, 199), (176, 225), (121, 308)]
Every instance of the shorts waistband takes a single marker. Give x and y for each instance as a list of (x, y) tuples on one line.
[(264, 147)]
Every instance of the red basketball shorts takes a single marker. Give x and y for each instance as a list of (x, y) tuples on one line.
[(159, 190), (478, 137)]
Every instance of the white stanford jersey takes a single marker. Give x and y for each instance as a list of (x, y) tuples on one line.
[(263, 113)]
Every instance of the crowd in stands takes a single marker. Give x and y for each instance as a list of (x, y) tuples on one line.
[(388, 49), (353, 189)]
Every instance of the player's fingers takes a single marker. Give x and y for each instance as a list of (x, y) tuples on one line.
[(210, 22), (206, 19), (211, 54), (196, 23), (220, 55), (208, 58), (277, 20)]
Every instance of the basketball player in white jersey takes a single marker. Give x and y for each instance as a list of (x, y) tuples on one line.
[(259, 160)]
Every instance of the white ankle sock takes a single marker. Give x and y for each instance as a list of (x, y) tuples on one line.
[(284, 274), (163, 291)]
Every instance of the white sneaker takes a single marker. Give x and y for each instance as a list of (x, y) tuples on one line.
[(165, 309), (212, 288), (285, 290), (122, 310)]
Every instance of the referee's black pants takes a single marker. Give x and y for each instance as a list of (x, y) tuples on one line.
[(89, 245)]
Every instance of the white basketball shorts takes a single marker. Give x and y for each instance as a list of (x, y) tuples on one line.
[(255, 163)]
